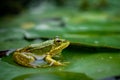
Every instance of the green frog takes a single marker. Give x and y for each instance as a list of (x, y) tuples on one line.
[(42, 54)]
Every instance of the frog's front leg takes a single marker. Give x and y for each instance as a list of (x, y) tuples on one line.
[(23, 58), (51, 61)]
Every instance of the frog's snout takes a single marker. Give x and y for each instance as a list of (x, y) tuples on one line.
[(67, 43)]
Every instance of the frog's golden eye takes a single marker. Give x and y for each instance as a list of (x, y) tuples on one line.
[(58, 40)]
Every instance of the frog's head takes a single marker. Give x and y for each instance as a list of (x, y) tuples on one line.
[(57, 46), (60, 44)]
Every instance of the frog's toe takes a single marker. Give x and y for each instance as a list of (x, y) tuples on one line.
[(56, 63), (66, 62)]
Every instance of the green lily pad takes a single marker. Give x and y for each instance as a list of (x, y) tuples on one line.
[(11, 34), (98, 39), (94, 40), (13, 44), (53, 76), (86, 60)]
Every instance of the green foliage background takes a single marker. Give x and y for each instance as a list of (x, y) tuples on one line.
[(92, 29)]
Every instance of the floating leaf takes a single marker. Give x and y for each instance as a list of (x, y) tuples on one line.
[(95, 63), (53, 76)]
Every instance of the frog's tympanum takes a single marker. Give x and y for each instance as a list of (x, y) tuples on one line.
[(42, 54)]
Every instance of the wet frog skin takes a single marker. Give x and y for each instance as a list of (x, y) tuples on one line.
[(41, 55)]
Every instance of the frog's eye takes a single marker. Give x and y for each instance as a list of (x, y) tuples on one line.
[(58, 40)]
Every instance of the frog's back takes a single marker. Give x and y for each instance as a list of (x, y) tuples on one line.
[(42, 48)]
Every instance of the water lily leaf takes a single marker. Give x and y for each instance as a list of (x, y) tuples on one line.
[(46, 33), (87, 38), (53, 76), (13, 44), (96, 63), (94, 40), (11, 34)]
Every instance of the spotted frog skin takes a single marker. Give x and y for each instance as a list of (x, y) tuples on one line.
[(42, 54)]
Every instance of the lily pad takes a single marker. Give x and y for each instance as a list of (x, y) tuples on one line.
[(86, 60), (54, 76), (11, 34), (13, 44)]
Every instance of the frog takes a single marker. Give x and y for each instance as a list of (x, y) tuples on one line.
[(41, 54)]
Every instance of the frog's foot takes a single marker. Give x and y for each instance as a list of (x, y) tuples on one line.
[(51, 61)]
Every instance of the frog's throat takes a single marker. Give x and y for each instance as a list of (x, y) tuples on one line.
[(58, 49)]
